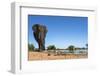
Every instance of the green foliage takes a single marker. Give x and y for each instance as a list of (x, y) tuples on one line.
[(86, 46), (51, 47), (71, 48), (30, 47)]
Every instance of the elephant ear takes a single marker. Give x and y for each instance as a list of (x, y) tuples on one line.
[(35, 27), (40, 28), (45, 29)]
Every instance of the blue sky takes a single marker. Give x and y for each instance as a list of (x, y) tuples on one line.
[(62, 30)]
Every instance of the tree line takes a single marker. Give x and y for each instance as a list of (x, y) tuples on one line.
[(53, 47)]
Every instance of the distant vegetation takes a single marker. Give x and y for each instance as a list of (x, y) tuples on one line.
[(71, 48), (31, 47), (87, 46), (51, 47)]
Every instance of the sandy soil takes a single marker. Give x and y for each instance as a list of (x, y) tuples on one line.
[(52, 56)]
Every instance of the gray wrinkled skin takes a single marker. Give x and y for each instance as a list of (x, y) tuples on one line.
[(39, 32)]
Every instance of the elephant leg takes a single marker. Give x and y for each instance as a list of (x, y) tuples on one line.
[(36, 36), (39, 46), (42, 41), (43, 45)]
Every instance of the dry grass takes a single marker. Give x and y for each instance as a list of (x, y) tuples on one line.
[(52, 56)]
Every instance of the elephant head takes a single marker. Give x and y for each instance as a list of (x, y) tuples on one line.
[(39, 32)]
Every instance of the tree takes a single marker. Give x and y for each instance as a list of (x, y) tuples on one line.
[(51, 47), (87, 46), (30, 47), (71, 48)]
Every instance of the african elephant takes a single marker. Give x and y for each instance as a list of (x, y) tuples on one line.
[(39, 32)]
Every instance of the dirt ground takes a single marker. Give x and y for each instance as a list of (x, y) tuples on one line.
[(51, 56)]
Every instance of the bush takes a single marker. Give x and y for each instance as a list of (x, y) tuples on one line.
[(51, 47), (30, 47), (71, 48)]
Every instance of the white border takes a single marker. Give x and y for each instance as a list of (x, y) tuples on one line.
[(19, 38)]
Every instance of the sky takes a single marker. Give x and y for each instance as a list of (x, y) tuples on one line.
[(63, 31)]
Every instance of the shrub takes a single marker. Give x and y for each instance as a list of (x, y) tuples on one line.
[(71, 49), (30, 47), (51, 47)]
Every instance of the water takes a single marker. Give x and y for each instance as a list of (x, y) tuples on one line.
[(75, 51)]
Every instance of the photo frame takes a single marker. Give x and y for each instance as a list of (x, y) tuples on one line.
[(19, 37)]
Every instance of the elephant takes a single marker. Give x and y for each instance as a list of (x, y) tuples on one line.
[(39, 33)]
